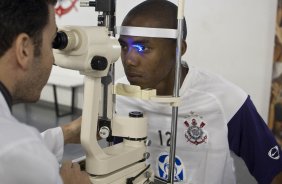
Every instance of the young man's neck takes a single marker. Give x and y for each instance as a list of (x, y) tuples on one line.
[(166, 89)]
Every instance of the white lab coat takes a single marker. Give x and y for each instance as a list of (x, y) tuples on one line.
[(26, 158)]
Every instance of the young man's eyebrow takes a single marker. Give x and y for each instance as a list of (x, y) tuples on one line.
[(141, 41)]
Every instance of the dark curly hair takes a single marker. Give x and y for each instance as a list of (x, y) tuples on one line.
[(23, 16)]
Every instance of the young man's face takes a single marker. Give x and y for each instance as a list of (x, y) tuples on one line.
[(148, 62)]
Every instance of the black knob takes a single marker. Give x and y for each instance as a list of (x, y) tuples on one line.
[(136, 114), (99, 63)]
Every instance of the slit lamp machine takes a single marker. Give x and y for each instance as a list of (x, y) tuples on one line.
[(93, 51)]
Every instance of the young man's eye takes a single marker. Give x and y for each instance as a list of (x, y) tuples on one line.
[(139, 47)]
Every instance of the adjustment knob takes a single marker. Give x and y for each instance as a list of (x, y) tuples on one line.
[(148, 142), (146, 155), (99, 63), (136, 114), (104, 132)]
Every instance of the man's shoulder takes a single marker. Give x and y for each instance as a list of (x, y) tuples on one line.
[(16, 133), (203, 84), (24, 154), (206, 82)]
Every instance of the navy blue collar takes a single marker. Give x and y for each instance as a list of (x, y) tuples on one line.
[(6, 95)]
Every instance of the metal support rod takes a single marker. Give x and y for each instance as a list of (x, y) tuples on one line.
[(176, 92)]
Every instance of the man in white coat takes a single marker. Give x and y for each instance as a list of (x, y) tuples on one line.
[(27, 30)]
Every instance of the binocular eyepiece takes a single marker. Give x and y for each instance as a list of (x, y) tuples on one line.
[(61, 40), (66, 40)]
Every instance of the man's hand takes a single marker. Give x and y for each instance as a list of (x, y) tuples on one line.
[(71, 131), (71, 174)]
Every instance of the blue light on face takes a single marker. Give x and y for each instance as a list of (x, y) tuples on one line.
[(139, 47)]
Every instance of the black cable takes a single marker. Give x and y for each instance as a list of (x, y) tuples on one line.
[(130, 180)]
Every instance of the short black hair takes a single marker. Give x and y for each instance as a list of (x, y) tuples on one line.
[(162, 11), (22, 16)]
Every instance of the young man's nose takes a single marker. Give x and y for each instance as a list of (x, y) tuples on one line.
[(131, 57)]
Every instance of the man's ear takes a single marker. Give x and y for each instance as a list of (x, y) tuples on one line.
[(183, 47), (24, 50)]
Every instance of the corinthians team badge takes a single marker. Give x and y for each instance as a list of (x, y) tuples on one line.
[(195, 132), (64, 6)]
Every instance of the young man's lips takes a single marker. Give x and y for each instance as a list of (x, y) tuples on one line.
[(133, 75), (134, 78)]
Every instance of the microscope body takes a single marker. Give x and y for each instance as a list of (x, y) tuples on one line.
[(92, 51)]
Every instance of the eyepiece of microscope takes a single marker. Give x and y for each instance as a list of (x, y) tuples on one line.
[(60, 41), (66, 40)]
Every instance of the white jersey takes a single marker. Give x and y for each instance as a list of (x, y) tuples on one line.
[(208, 104)]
